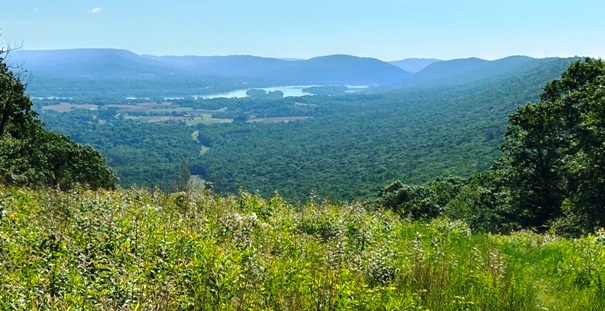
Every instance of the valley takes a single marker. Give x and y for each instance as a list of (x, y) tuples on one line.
[(447, 119)]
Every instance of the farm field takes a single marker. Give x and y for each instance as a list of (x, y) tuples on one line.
[(278, 120), (166, 111), (149, 112), (67, 107)]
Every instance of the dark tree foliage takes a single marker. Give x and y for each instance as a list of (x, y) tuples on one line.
[(17, 119), (33, 156), (66, 162), (555, 153), (420, 201), (534, 148), (483, 202)]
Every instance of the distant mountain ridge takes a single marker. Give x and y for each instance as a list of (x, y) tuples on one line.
[(333, 69), (111, 64), (475, 70), (114, 63), (88, 63), (448, 69)]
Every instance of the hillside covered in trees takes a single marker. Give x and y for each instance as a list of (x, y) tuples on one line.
[(550, 175)]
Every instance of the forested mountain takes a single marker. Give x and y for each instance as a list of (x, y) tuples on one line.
[(80, 73), (90, 63), (111, 63), (475, 70), (224, 66), (332, 69), (449, 69), (341, 69)]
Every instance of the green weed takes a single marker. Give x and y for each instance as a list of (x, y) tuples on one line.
[(148, 250)]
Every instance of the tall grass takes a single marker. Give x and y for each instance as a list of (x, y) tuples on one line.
[(148, 250)]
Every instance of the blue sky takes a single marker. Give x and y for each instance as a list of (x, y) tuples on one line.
[(384, 29)]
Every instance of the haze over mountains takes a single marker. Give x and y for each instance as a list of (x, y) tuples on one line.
[(106, 64), (414, 64), (112, 63)]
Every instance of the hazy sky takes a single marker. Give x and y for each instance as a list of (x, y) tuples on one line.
[(384, 29)]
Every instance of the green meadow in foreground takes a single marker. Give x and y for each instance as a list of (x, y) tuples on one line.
[(146, 250)]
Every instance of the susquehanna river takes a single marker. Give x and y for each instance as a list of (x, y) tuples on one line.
[(289, 91)]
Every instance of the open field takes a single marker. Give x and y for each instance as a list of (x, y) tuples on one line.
[(157, 112), (203, 149), (189, 120), (204, 120), (67, 107), (278, 120), (140, 250), (195, 135), (150, 107)]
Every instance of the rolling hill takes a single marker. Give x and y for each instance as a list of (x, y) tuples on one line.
[(90, 63), (224, 66), (340, 69), (71, 69), (444, 71), (112, 64), (459, 72)]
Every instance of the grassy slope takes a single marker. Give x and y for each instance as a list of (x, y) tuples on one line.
[(134, 250)]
